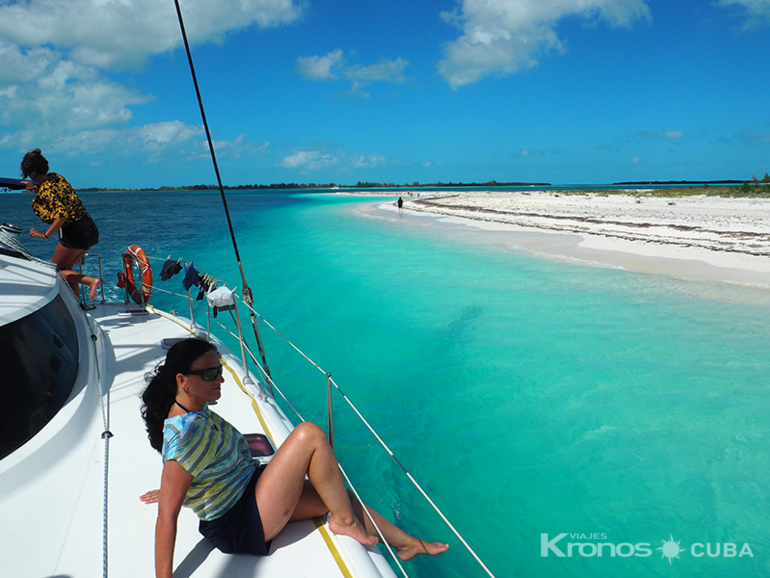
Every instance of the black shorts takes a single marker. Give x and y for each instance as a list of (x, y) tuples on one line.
[(239, 530), (81, 234)]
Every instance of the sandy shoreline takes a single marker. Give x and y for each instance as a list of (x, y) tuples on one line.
[(699, 237)]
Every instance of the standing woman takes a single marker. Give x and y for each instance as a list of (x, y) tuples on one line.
[(207, 466), (57, 205)]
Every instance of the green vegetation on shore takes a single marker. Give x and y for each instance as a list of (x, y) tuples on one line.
[(745, 190), (732, 188), (754, 188), (358, 185)]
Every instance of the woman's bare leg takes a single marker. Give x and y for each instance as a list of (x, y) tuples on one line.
[(280, 487), (74, 278), (407, 546), (65, 258)]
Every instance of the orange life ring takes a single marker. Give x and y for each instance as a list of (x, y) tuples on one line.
[(144, 295)]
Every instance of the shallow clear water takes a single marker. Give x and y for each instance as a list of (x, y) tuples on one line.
[(527, 396)]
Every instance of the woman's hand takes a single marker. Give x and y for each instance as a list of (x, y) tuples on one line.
[(30, 185), (52, 229), (150, 497)]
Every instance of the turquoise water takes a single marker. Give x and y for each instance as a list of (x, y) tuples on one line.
[(527, 396)]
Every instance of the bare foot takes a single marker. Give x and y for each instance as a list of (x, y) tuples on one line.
[(94, 284), (421, 547), (150, 497), (354, 530)]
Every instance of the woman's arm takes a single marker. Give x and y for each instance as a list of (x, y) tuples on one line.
[(174, 483), (52, 228)]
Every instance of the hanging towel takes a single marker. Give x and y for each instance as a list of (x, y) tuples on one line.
[(191, 277), (170, 268), (221, 298)]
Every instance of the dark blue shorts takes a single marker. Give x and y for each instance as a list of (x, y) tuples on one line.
[(239, 530)]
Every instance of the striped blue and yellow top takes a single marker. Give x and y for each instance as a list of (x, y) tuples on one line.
[(215, 454)]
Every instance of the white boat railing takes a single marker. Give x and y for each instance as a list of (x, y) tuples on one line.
[(83, 298), (331, 385)]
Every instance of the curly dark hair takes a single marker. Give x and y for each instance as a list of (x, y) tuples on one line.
[(34, 162), (162, 387)]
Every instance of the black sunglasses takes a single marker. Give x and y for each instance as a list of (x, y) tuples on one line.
[(208, 374)]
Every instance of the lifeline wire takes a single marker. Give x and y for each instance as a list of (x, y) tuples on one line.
[(247, 295), (419, 488), (106, 435)]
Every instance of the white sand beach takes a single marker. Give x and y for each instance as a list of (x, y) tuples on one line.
[(700, 237)]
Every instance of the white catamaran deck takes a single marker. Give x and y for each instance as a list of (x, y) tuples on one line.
[(52, 487)]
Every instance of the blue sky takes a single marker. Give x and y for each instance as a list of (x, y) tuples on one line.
[(319, 91)]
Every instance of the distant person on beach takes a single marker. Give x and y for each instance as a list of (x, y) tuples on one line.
[(400, 204), (57, 205), (242, 505)]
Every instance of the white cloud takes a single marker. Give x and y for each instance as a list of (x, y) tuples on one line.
[(307, 160), (750, 137), (54, 58), (67, 97), (319, 67), (18, 65), (154, 143), (239, 148), (757, 11), (153, 139), (88, 29), (674, 134), (367, 161), (384, 71), (334, 65), (503, 36)]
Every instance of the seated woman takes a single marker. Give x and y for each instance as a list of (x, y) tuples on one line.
[(242, 506)]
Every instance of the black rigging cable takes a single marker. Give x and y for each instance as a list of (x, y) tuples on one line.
[(246, 290)]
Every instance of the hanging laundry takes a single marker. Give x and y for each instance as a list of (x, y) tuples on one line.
[(191, 277), (170, 268), (221, 299), (204, 285)]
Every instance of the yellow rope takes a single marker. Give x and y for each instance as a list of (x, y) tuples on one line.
[(254, 404), (332, 548)]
